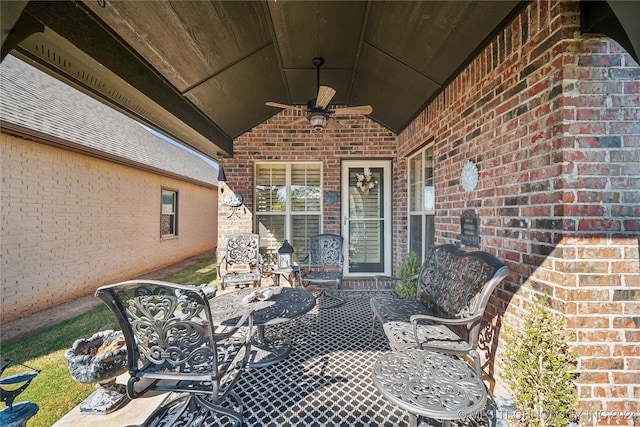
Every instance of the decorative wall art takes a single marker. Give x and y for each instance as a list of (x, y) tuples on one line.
[(234, 201), (469, 176), (470, 228), (331, 197)]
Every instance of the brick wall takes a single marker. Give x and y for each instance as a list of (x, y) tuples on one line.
[(71, 223), (276, 141), (552, 118)]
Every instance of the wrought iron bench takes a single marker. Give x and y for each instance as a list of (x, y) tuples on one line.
[(453, 289)]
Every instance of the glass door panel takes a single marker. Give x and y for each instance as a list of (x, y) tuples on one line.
[(366, 212)]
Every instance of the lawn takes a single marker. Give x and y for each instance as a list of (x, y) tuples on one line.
[(54, 390)]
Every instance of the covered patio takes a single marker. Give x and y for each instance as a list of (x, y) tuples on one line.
[(325, 381), (509, 127)]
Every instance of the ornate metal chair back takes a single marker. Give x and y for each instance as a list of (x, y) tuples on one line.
[(243, 249), (325, 267), (172, 343), (325, 252), (241, 262)]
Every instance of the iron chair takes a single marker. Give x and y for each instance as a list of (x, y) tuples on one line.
[(173, 345), (241, 262), (324, 266)]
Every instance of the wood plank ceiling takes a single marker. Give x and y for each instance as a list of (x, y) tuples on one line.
[(201, 71)]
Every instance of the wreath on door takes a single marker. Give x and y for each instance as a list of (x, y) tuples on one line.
[(365, 181)]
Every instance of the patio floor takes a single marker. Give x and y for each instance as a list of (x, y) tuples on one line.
[(325, 381)]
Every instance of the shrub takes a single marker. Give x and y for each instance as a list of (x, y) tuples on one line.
[(408, 267), (540, 369)]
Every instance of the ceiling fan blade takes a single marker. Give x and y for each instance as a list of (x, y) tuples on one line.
[(325, 94), (333, 124), (289, 107), (297, 121), (362, 109)]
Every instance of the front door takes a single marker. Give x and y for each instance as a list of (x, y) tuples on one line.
[(366, 214)]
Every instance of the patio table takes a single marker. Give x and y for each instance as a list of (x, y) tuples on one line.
[(429, 384), (290, 274), (285, 304)]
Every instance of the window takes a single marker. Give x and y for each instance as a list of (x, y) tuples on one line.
[(288, 205), (421, 202), (169, 214)]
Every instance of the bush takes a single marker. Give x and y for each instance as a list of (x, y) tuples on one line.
[(408, 267), (540, 369)]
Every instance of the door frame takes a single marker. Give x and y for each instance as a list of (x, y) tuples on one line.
[(387, 211)]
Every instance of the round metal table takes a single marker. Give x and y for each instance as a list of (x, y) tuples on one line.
[(286, 304), (430, 384)]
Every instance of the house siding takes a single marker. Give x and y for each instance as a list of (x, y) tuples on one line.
[(71, 223)]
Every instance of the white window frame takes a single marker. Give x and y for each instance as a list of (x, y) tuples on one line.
[(174, 214), (288, 212), (424, 212)]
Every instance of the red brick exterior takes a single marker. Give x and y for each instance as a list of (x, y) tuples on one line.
[(276, 141), (552, 119)]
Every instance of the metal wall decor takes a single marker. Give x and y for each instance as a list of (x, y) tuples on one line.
[(469, 176), (330, 197), (470, 228), (234, 201)]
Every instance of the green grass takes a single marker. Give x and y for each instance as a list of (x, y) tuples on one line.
[(54, 390), (201, 272)]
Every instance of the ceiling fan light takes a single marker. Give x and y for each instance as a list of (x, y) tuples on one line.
[(318, 121)]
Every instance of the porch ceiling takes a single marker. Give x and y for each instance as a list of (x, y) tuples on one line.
[(201, 71)]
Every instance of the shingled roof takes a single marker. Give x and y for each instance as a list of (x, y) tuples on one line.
[(30, 99)]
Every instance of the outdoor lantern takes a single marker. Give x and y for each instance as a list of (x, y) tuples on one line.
[(222, 177), (285, 255)]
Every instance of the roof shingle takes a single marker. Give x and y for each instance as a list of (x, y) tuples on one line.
[(33, 100)]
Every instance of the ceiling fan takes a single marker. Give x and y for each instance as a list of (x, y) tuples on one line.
[(318, 111)]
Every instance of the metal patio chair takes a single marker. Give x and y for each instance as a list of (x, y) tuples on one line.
[(241, 262), (173, 345), (324, 266)]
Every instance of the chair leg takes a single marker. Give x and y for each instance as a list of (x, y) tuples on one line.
[(195, 410), (373, 326), (168, 413), (236, 415), (324, 296)]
